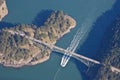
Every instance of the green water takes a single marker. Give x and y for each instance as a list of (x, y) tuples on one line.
[(24, 11)]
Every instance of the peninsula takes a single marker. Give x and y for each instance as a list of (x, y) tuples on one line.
[(3, 9), (109, 54), (17, 51)]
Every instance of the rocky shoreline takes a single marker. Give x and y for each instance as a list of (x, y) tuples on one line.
[(29, 61), (3, 9), (47, 57)]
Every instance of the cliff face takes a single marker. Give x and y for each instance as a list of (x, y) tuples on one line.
[(3, 9), (17, 51)]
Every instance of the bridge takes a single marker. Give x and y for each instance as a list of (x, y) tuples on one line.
[(82, 58), (78, 37)]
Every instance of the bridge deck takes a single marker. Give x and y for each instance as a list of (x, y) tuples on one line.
[(61, 50), (55, 48)]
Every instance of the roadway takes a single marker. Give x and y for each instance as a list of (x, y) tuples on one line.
[(55, 48), (63, 51)]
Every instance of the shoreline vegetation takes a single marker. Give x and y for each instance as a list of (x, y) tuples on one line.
[(109, 54), (17, 51)]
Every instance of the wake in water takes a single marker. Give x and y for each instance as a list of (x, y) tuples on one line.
[(56, 73), (78, 38)]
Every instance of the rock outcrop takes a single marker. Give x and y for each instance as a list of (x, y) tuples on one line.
[(3, 9)]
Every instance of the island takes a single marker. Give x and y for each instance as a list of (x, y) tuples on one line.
[(17, 51), (3, 9)]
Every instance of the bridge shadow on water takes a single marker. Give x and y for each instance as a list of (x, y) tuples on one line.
[(6, 25), (57, 53), (92, 45)]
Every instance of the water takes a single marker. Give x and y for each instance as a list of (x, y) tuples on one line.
[(24, 11)]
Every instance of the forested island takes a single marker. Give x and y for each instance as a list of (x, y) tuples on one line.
[(17, 51), (109, 54)]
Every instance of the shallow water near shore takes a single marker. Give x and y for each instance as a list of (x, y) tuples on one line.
[(80, 10)]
